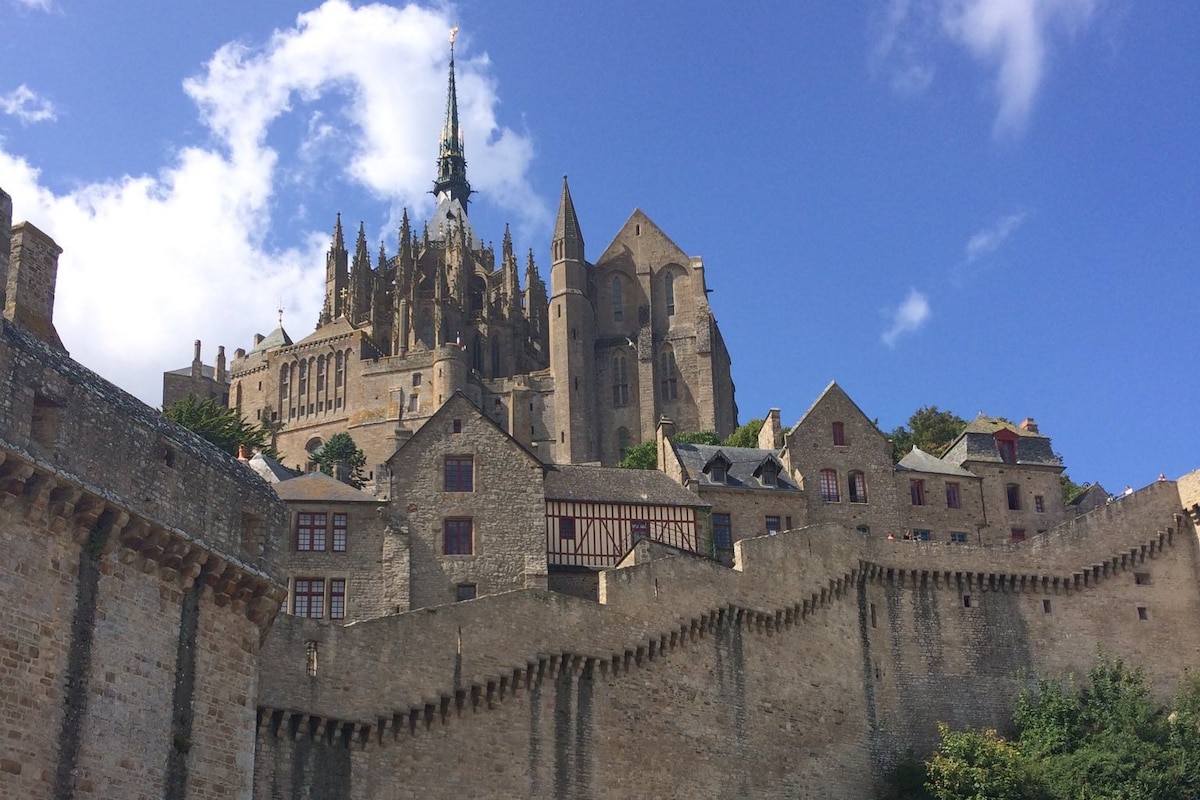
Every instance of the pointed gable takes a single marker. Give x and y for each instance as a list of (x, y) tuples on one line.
[(638, 238)]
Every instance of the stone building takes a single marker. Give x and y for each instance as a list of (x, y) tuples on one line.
[(582, 372), (139, 572), (199, 379)]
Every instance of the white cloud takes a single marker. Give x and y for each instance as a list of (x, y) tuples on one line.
[(1011, 36), (989, 240), (27, 106), (151, 262), (908, 317), (40, 5)]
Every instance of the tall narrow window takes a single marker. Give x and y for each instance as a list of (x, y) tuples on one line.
[(477, 355), (669, 285), (459, 539), (285, 384), (858, 487), (337, 598), (952, 497), (1039, 503), (618, 301), (916, 490), (1013, 492), (339, 375), (1006, 446), (839, 434), (495, 357), (339, 533), (320, 376), (622, 443), (829, 486), (309, 600), (722, 529), (460, 474), (669, 378), (620, 381), (302, 389)]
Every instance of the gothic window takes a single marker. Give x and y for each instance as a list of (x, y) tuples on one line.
[(668, 378), (425, 329), (829, 486), (622, 443), (477, 354), (858, 487), (339, 375), (285, 385), (495, 357), (618, 302), (669, 285), (476, 292), (302, 389), (620, 381)]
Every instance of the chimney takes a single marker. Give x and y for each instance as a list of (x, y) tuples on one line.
[(1029, 425), (666, 429), (258, 337), (197, 366), (770, 436), (220, 375), (32, 273)]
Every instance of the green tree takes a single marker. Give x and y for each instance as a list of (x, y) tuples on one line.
[(220, 425), (929, 429), (745, 435), (341, 451), (1069, 487), (978, 765), (641, 456), (697, 437)]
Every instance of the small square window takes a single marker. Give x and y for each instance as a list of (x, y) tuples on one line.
[(1142, 614), (639, 529), (416, 379), (459, 474), (1141, 578), (566, 527), (1039, 503), (717, 475), (464, 591), (1046, 606), (922, 535), (958, 538), (772, 525), (1018, 534), (966, 601)]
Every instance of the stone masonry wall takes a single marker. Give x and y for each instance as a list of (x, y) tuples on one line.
[(803, 673)]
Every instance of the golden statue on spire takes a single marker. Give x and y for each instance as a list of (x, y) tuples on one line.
[(453, 33)]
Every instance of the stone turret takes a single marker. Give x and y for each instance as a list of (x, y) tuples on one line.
[(32, 274), (572, 339)]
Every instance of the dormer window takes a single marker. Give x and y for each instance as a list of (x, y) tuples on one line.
[(769, 476), (1006, 446), (717, 468)]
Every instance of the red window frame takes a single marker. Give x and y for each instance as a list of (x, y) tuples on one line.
[(857, 482), (339, 533), (308, 598), (916, 490), (310, 531), (458, 537), (1018, 534), (953, 499), (337, 598), (839, 434), (459, 474), (829, 486)]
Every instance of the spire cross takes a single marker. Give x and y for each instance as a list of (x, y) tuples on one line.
[(280, 310)]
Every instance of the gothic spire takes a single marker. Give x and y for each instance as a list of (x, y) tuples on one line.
[(452, 165), (339, 242), (568, 239)]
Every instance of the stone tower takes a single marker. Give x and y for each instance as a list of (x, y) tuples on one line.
[(572, 338)]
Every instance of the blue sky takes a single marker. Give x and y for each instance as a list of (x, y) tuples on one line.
[(984, 205)]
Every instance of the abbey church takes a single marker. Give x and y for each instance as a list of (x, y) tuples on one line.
[(577, 376)]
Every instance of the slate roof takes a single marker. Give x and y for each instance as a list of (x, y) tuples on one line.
[(205, 372), (450, 215), (977, 443), (743, 462), (319, 487), (270, 469), (920, 461), (613, 485), (276, 338)]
